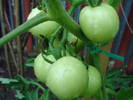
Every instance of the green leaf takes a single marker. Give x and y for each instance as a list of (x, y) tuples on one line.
[(28, 95), (56, 52), (70, 50), (23, 80), (110, 91), (34, 94), (125, 94), (113, 73), (19, 95), (29, 62), (8, 81), (32, 54), (114, 3), (45, 95), (77, 2)]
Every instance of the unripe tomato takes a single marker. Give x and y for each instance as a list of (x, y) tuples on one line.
[(67, 78), (44, 29), (100, 24), (41, 67), (73, 39), (94, 83)]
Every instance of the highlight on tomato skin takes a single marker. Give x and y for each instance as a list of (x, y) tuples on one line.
[(41, 67), (67, 78), (100, 24), (43, 30)]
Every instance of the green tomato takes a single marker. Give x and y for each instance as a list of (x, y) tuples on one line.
[(94, 83), (41, 67), (71, 38), (44, 29), (67, 78), (56, 43), (100, 24)]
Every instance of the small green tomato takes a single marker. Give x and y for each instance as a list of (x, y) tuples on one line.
[(43, 30), (41, 67), (94, 82)]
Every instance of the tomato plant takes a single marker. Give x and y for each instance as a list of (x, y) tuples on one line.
[(45, 29), (100, 24), (41, 67), (67, 78), (94, 82)]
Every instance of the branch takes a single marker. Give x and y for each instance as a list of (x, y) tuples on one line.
[(24, 28), (58, 13)]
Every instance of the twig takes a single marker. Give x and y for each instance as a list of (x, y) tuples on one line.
[(5, 47), (24, 27), (20, 62), (10, 46)]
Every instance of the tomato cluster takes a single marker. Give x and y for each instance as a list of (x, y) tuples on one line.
[(68, 77)]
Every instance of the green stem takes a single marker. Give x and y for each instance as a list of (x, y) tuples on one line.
[(53, 36), (94, 3), (115, 3), (24, 27), (57, 13), (98, 64), (37, 84), (71, 10)]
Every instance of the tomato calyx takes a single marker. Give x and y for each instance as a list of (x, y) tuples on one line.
[(94, 3)]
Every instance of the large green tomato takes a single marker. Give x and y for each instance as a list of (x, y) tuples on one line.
[(67, 78), (41, 67), (100, 24), (94, 83), (44, 29)]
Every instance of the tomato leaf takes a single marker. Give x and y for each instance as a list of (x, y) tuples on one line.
[(45, 95), (70, 49), (114, 3), (29, 62), (19, 95), (32, 54), (34, 94), (28, 95), (125, 94), (8, 81)]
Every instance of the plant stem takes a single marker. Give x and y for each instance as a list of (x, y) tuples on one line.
[(5, 46), (94, 3), (98, 64), (38, 85), (57, 13), (19, 46), (10, 46), (24, 27)]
